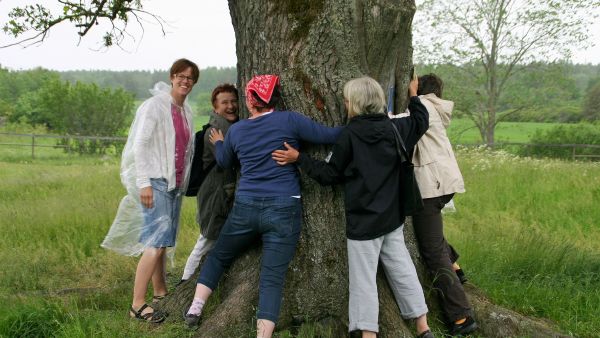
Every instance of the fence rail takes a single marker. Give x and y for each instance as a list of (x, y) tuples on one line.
[(33, 137), (574, 154)]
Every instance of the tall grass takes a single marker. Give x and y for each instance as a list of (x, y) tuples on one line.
[(528, 231), (53, 271), (529, 234)]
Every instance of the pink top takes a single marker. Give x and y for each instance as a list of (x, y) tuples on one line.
[(182, 137)]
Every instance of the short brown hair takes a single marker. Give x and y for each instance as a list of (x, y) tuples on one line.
[(181, 65), (223, 88), (430, 83)]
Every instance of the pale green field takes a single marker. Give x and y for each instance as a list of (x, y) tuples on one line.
[(528, 231), (463, 131)]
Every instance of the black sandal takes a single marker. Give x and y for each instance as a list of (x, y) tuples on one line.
[(154, 317), (156, 299)]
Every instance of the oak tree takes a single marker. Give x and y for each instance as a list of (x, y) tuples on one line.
[(316, 46)]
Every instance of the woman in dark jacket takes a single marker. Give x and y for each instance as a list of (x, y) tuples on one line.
[(365, 159)]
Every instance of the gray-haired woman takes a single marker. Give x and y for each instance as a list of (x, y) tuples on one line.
[(365, 158)]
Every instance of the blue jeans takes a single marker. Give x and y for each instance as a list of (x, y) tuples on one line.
[(162, 220), (277, 220)]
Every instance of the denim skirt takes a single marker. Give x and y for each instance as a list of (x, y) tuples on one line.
[(162, 220)]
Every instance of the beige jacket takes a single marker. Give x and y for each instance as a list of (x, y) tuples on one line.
[(436, 170)]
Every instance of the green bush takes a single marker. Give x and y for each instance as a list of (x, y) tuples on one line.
[(581, 133)]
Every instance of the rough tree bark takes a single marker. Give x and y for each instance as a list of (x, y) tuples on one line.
[(316, 46)]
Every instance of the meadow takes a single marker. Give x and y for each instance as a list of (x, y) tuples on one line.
[(528, 231), (464, 131)]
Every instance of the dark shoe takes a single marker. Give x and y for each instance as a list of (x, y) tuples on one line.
[(461, 276), (155, 317), (426, 334), (355, 334), (192, 321), (465, 328)]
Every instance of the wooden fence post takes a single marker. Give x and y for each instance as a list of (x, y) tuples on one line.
[(32, 146)]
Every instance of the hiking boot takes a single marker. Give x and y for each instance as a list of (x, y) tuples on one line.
[(467, 327)]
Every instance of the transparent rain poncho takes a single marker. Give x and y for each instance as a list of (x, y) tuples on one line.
[(124, 236)]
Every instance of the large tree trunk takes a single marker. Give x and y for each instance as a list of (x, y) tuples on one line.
[(315, 46)]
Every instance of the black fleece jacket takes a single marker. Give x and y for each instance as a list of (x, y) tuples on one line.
[(365, 159)]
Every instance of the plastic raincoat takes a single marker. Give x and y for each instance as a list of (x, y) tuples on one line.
[(148, 153)]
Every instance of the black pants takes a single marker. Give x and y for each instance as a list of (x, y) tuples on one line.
[(439, 256)]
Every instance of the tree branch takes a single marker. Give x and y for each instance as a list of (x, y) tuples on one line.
[(84, 18)]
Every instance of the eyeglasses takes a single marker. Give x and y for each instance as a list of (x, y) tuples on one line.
[(182, 77)]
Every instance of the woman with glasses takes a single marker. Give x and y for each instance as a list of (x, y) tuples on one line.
[(154, 169)]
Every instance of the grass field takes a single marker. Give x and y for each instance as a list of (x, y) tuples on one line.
[(528, 231), (463, 131)]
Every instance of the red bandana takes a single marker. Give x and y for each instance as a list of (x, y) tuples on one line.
[(263, 86)]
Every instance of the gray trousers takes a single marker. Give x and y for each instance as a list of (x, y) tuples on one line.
[(363, 257)]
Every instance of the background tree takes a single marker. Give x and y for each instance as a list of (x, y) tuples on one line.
[(546, 92), (591, 108), (499, 38), (316, 46)]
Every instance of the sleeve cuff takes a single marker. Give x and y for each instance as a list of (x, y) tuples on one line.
[(143, 183)]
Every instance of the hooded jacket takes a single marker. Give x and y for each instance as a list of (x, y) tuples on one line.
[(215, 196), (365, 159), (436, 169)]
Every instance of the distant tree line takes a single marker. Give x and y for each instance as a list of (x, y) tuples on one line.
[(101, 103), (90, 103), (138, 82)]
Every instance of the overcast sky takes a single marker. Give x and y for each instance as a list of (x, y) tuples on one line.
[(198, 29)]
